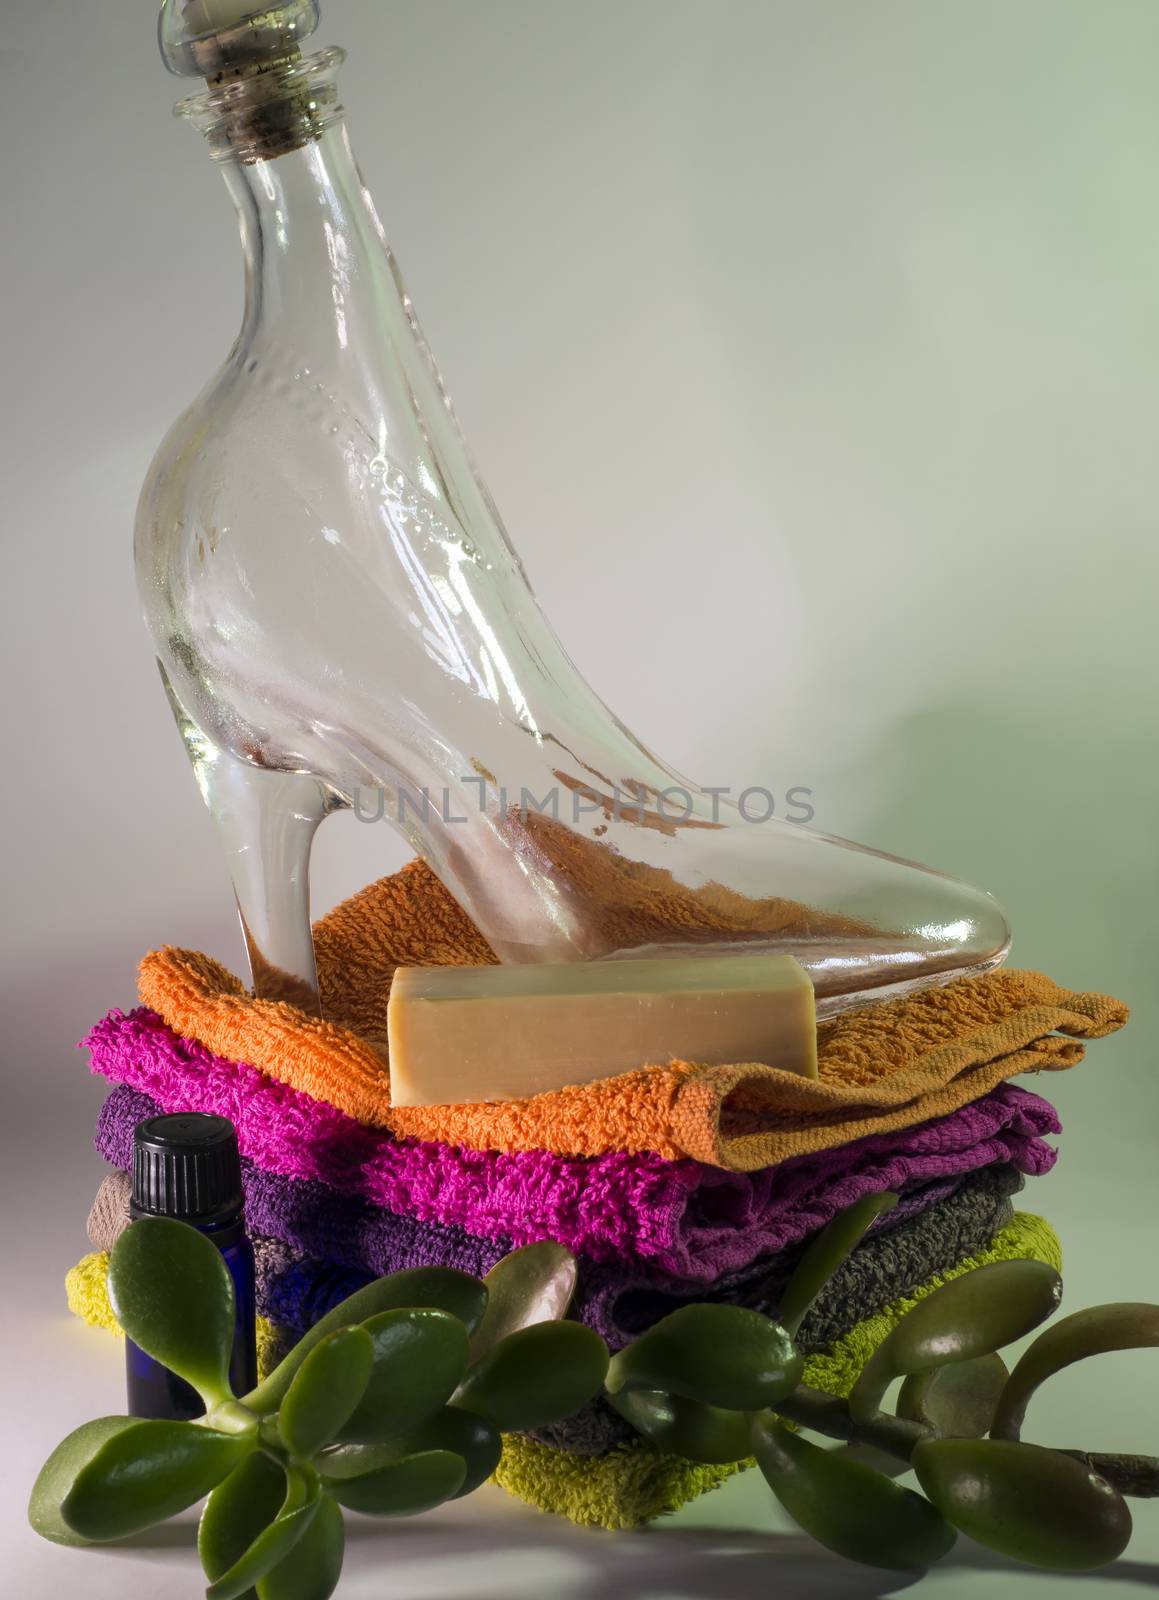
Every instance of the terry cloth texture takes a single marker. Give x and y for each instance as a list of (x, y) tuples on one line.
[(636, 1482), (690, 1219), (296, 1289), (883, 1066), (109, 1213), (321, 1221), (613, 1297)]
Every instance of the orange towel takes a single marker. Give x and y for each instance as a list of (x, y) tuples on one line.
[(883, 1066)]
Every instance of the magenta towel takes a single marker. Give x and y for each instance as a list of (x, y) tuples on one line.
[(347, 1230), (688, 1220), (951, 1216)]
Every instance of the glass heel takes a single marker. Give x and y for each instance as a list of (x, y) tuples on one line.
[(265, 822)]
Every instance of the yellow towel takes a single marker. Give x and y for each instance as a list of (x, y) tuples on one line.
[(884, 1066), (634, 1483)]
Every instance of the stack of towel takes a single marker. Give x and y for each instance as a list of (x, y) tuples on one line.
[(673, 1184)]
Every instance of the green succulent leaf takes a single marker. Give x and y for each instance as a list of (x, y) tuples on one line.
[(868, 1455), (969, 1316), (684, 1427), (721, 1355), (1026, 1502), (148, 1472), (274, 1543), (312, 1569), (419, 1357), (440, 1288), (825, 1254), (356, 1460), (957, 1401), (405, 1487), (326, 1389), (464, 1434), (59, 1473), (1124, 1325), (847, 1506), (539, 1375), (172, 1294), (461, 1432), (237, 1511), (531, 1285)]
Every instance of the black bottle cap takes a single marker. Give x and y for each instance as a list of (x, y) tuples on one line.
[(186, 1166)]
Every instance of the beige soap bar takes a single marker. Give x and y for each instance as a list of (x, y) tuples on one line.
[(460, 1035)]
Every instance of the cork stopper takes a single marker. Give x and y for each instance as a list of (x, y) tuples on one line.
[(264, 98), (217, 38)]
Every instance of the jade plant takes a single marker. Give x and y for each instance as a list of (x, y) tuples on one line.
[(716, 1383), (391, 1404), (395, 1402)]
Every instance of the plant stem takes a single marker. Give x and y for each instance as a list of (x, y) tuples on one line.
[(1132, 1475), (1137, 1476), (270, 1437), (828, 1414)]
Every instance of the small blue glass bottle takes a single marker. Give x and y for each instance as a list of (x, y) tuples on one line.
[(187, 1166)]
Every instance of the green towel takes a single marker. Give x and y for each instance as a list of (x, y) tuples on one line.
[(635, 1482)]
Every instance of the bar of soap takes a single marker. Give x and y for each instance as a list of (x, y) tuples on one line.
[(464, 1035)]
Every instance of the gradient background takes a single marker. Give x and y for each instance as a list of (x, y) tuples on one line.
[(812, 353)]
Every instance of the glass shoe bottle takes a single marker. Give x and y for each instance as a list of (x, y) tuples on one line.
[(340, 618)]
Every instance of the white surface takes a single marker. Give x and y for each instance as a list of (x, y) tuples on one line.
[(731, 1545), (811, 353)]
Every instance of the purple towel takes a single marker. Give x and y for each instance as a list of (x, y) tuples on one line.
[(685, 1219), (616, 1298), (296, 1290)]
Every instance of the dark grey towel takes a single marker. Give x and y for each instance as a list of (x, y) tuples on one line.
[(881, 1270)]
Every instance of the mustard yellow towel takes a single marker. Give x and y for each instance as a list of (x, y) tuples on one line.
[(884, 1066), (634, 1483)]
